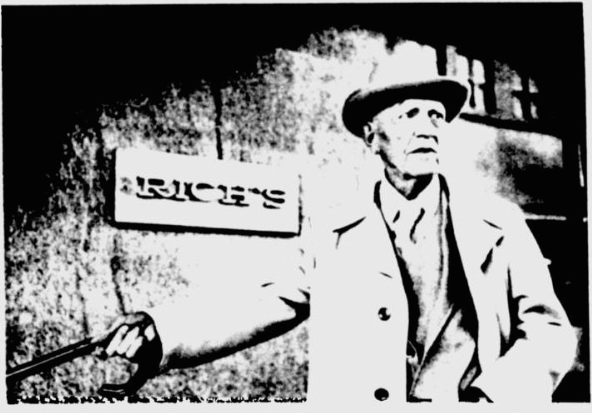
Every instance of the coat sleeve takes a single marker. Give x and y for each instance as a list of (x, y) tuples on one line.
[(213, 321), (542, 342)]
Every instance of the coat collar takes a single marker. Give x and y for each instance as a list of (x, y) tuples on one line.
[(476, 228), (393, 203)]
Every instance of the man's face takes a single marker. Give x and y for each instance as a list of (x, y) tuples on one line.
[(408, 135)]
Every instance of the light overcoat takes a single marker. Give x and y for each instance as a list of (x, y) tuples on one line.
[(525, 343)]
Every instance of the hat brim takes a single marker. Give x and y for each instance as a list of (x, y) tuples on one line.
[(363, 104)]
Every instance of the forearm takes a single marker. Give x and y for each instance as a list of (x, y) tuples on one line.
[(209, 325)]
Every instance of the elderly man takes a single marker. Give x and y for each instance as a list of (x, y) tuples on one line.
[(419, 291)]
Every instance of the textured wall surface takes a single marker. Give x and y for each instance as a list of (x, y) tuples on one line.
[(70, 271)]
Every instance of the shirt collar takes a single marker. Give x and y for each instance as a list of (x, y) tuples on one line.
[(392, 201)]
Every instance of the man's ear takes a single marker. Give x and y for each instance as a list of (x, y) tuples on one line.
[(369, 130), (368, 133)]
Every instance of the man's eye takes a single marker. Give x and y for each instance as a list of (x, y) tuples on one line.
[(410, 113), (434, 114)]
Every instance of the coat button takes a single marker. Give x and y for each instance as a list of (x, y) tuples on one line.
[(381, 394), (384, 313)]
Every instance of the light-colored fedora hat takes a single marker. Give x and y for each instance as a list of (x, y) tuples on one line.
[(383, 91)]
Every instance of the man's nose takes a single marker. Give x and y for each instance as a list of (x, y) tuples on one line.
[(426, 128), (429, 138), (426, 131)]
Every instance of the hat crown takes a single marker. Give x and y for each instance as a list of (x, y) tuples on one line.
[(408, 62), (402, 68)]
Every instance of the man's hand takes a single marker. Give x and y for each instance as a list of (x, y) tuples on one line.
[(134, 337)]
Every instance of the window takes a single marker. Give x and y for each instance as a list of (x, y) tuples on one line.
[(496, 89)]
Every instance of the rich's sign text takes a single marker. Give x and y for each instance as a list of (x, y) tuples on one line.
[(170, 189)]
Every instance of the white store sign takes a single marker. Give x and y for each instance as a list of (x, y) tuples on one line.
[(181, 190)]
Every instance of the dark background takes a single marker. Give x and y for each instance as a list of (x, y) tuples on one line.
[(59, 61)]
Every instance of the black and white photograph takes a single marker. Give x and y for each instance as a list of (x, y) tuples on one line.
[(313, 206)]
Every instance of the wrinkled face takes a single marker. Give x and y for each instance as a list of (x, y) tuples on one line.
[(407, 136)]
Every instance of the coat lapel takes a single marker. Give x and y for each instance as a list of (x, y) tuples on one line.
[(363, 224), (365, 251), (476, 236)]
